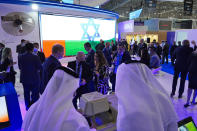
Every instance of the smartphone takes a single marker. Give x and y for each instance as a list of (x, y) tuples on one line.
[(4, 117), (187, 125)]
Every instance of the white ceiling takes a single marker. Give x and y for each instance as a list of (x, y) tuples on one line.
[(92, 3), (56, 10)]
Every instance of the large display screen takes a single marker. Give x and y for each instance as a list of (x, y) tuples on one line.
[(73, 32), (4, 118)]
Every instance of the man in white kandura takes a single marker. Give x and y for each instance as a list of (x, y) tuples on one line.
[(143, 104), (54, 111)]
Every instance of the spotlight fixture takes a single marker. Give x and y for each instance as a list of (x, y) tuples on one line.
[(34, 6)]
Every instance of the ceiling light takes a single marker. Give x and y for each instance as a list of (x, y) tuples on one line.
[(34, 6)]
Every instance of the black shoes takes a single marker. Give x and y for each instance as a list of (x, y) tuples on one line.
[(192, 103), (180, 96), (171, 95), (186, 105)]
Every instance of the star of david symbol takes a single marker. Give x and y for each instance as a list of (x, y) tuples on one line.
[(85, 28)]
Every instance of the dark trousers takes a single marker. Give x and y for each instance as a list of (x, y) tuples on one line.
[(79, 92), (31, 94), (164, 56), (172, 58), (113, 81), (91, 86), (182, 83)]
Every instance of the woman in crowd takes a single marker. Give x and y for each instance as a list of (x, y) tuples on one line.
[(101, 72), (192, 79), (7, 65)]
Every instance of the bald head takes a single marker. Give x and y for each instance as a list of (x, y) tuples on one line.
[(193, 42), (80, 56), (142, 41)]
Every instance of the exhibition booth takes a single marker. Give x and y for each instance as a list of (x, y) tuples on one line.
[(127, 30), (50, 23)]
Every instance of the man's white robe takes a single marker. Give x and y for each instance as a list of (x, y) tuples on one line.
[(54, 111), (143, 104)]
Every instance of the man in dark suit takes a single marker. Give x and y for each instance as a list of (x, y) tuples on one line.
[(51, 64), (179, 44), (20, 49), (172, 49), (107, 53), (39, 53), (2, 46), (193, 45), (158, 50), (122, 56), (182, 55), (113, 48), (141, 45), (30, 66), (85, 75), (165, 52), (90, 56)]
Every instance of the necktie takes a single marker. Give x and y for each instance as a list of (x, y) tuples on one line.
[(79, 72)]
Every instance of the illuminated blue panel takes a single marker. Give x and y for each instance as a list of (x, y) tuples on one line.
[(67, 1), (135, 14)]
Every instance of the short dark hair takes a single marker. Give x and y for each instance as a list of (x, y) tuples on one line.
[(35, 44), (87, 44), (2, 45), (23, 40), (120, 44), (185, 42), (57, 48), (29, 46)]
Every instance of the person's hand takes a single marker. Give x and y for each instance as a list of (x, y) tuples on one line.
[(83, 82)]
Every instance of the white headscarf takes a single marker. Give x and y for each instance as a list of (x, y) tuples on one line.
[(54, 110), (143, 104)]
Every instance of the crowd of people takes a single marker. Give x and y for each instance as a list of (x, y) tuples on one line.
[(98, 67)]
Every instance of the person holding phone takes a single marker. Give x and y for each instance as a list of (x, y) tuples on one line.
[(7, 66)]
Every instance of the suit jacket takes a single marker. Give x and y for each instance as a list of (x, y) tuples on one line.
[(1, 51), (30, 66), (20, 49), (86, 72), (49, 67), (193, 64), (166, 49), (90, 59), (107, 54), (182, 55), (158, 50), (41, 56), (126, 57), (172, 49)]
